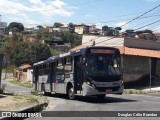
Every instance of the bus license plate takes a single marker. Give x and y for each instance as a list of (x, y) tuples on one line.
[(109, 90)]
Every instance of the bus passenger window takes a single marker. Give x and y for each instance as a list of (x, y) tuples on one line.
[(68, 65)]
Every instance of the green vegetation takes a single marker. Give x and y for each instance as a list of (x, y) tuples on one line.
[(44, 34), (2, 89), (26, 52), (55, 52), (35, 92), (135, 92), (139, 92), (15, 27), (28, 85)]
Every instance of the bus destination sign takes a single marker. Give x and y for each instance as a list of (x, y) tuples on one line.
[(102, 51)]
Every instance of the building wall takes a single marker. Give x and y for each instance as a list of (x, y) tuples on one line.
[(23, 77), (79, 30), (29, 75), (158, 69), (145, 44), (135, 67)]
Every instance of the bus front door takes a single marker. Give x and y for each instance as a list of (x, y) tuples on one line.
[(78, 73)]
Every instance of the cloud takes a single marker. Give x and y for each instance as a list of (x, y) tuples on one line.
[(30, 9), (58, 3), (121, 23), (89, 15)]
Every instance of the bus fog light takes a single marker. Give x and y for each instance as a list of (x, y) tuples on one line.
[(93, 86)]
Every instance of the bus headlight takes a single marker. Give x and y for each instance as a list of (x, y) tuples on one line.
[(121, 84), (88, 83)]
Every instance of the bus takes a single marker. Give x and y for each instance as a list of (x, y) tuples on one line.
[(91, 71)]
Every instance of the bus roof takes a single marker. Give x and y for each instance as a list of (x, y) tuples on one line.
[(82, 50)]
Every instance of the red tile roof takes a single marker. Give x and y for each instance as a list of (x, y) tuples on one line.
[(25, 66), (130, 51), (142, 52)]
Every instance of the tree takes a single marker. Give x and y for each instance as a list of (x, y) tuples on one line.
[(105, 28), (118, 28), (39, 27), (57, 24), (15, 27), (26, 52), (144, 31), (44, 34), (71, 27), (129, 31)]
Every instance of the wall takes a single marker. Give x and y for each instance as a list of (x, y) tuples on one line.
[(23, 77), (135, 67), (79, 30), (102, 40), (145, 44), (29, 75), (158, 71), (1, 61)]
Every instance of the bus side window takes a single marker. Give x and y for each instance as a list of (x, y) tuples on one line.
[(59, 67), (67, 65), (60, 70)]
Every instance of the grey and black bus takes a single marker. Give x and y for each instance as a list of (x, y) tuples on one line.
[(91, 71)]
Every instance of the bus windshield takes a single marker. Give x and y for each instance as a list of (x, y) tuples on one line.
[(103, 65)]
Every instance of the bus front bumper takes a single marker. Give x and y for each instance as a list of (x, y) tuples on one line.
[(87, 90)]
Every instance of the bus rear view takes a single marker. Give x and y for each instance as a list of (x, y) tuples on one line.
[(103, 73)]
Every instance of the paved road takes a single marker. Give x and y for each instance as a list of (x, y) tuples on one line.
[(14, 88), (111, 103)]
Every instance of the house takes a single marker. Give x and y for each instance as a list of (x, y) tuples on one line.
[(3, 25), (64, 28), (84, 29), (50, 28), (140, 58), (23, 73), (157, 36)]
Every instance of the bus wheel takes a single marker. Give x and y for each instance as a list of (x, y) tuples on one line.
[(101, 97), (70, 93)]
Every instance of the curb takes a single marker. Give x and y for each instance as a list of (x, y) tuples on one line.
[(37, 108)]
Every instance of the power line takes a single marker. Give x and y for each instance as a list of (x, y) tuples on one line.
[(132, 21), (156, 29), (147, 25), (140, 16), (134, 30)]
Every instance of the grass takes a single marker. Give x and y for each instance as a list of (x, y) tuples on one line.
[(28, 85), (139, 92), (32, 98)]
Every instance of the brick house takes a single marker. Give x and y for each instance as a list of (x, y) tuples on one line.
[(140, 58)]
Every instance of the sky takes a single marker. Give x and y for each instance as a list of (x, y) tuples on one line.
[(113, 13)]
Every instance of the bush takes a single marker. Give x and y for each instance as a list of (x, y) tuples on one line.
[(2, 88)]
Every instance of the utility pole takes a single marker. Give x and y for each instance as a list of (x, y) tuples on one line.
[(150, 64), (1, 61)]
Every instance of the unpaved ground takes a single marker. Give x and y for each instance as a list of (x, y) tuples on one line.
[(20, 102)]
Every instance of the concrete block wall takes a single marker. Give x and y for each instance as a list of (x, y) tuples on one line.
[(135, 67)]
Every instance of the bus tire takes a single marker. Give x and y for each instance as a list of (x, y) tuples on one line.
[(70, 93), (101, 97)]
